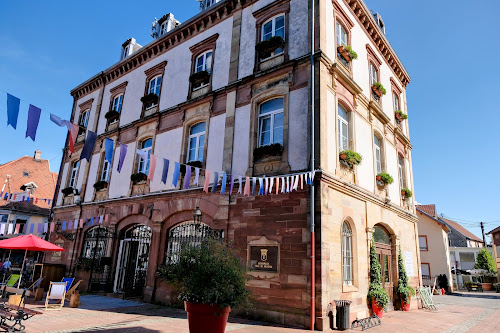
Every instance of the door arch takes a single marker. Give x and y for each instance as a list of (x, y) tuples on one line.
[(132, 260), (383, 247)]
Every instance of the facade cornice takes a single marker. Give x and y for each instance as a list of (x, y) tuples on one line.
[(342, 75), (365, 18), (401, 136)]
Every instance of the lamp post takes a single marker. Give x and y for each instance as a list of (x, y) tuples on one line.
[(197, 215)]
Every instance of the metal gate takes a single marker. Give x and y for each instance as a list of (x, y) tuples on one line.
[(132, 263)]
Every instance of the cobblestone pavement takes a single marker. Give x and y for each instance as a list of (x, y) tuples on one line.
[(455, 314)]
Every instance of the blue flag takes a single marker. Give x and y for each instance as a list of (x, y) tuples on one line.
[(164, 174), (12, 110), (223, 186), (32, 228), (64, 225), (88, 147), (108, 147), (177, 170), (33, 119), (216, 182)]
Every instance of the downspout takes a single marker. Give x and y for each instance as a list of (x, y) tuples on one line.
[(313, 266)]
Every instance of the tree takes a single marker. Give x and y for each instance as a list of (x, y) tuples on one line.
[(375, 291), (485, 261), (404, 290)]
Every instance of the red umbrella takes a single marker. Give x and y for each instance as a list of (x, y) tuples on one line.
[(28, 243)]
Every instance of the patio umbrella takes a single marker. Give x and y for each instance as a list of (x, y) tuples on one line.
[(28, 243)]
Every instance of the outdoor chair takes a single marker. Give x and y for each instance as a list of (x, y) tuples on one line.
[(35, 284), (69, 282), (57, 292), (70, 292), (425, 296), (10, 283)]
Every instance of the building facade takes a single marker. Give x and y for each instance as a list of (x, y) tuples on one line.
[(214, 92), (495, 242)]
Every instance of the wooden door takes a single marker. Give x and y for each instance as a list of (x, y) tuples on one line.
[(384, 255)]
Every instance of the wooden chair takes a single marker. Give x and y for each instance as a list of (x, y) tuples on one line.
[(35, 284), (72, 290), (69, 282), (57, 291), (10, 283)]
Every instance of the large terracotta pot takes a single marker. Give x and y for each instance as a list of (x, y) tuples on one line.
[(405, 306), (377, 310), (206, 318), (487, 286)]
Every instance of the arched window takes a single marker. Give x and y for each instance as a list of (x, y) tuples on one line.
[(373, 74), (381, 236), (274, 27), (95, 243), (341, 35), (196, 142), (343, 124), (401, 171), (143, 165), (73, 173), (271, 122), (347, 253), (377, 143), (188, 234), (395, 98), (83, 122)]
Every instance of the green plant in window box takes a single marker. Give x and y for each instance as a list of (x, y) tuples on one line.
[(138, 177), (149, 98), (274, 149), (385, 178), (347, 52), (400, 116), (378, 89), (350, 158), (67, 191), (406, 193), (100, 185), (266, 47), (194, 164), (112, 114), (199, 78)]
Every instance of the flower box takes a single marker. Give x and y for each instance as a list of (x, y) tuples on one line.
[(138, 177), (67, 191), (266, 47), (384, 178), (100, 185), (347, 53), (400, 116), (275, 149), (111, 115), (378, 89), (199, 78), (350, 158), (150, 98), (406, 193)]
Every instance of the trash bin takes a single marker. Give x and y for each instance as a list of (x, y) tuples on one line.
[(343, 314)]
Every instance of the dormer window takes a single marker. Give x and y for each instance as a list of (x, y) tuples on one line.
[(208, 3), (125, 51), (164, 28)]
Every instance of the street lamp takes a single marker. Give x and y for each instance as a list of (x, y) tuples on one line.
[(197, 215)]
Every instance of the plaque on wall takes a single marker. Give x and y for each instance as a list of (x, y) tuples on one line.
[(264, 258)]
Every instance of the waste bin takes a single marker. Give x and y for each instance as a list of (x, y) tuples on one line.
[(343, 314)]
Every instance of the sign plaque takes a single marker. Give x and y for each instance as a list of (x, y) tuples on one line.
[(264, 258)]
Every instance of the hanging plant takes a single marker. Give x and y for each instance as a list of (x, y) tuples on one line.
[(138, 177), (275, 149), (406, 193), (266, 47), (111, 114), (102, 184), (378, 89), (67, 191), (404, 291), (199, 78), (350, 158), (400, 116), (347, 52), (149, 98), (385, 178)]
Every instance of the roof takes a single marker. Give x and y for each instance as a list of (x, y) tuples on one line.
[(428, 209), (432, 217), (497, 229), (27, 169), (461, 230), (25, 207)]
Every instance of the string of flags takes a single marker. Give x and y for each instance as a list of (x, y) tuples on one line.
[(23, 196)]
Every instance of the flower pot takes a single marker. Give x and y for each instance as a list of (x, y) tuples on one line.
[(345, 53), (343, 157), (379, 178), (378, 311), (206, 318), (405, 306), (487, 286), (376, 91)]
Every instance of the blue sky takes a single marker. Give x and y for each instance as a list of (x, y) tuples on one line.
[(448, 47)]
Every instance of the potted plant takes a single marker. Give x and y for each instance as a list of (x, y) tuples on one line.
[(496, 286), (404, 291), (266, 47), (377, 296), (350, 158), (347, 52), (400, 116), (275, 149), (485, 261), (67, 191), (406, 193), (211, 280), (199, 78), (150, 98), (378, 89), (138, 177), (100, 185), (384, 178)]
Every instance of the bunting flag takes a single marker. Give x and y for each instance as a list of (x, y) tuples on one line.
[(301, 181), (266, 185), (25, 228), (108, 149), (91, 221), (12, 110), (187, 177), (73, 133), (271, 183), (164, 173), (39, 228), (240, 184), (223, 185), (17, 229), (52, 224), (254, 184), (81, 223), (45, 227), (261, 186), (231, 184), (216, 182), (100, 219), (207, 181), (2, 229), (143, 154), (196, 176), (152, 167), (64, 225), (177, 170), (33, 120), (283, 183), (106, 217), (58, 121), (9, 230), (123, 153), (247, 186), (88, 147)]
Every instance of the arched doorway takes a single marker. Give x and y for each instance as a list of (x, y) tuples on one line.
[(383, 248), (132, 262)]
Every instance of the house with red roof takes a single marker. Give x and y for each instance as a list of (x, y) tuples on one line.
[(495, 240)]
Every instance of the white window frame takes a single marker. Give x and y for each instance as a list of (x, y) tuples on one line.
[(206, 66), (347, 257), (197, 136), (395, 98), (84, 118), (341, 121), (378, 154), (153, 85), (270, 115), (125, 51), (426, 245), (401, 171), (340, 30), (143, 166), (273, 32), (117, 103), (163, 28), (75, 166), (373, 74), (105, 171)]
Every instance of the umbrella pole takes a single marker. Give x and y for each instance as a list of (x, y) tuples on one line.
[(22, 268)]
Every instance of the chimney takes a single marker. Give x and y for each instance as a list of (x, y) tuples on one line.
[(130, 46), (38, 155)]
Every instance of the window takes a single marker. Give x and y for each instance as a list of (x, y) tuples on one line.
[(21, 224), (4, 217), (84, 120), (26, 174), (164, 28), (271, 122), (143, 165), (154, 88), (274, 27), (343, 123), (105, 171), (381, 236), (341, 35), (95, 243), (73, 174), (203, 63), (426, 270), (125, 51), (373, 74), (401, 163), (196, 142), (395, 97), (378, 154), (347, 253), (117, 103), (422, 243)]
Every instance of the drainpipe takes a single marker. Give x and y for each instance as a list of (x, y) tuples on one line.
[(313, 266)]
